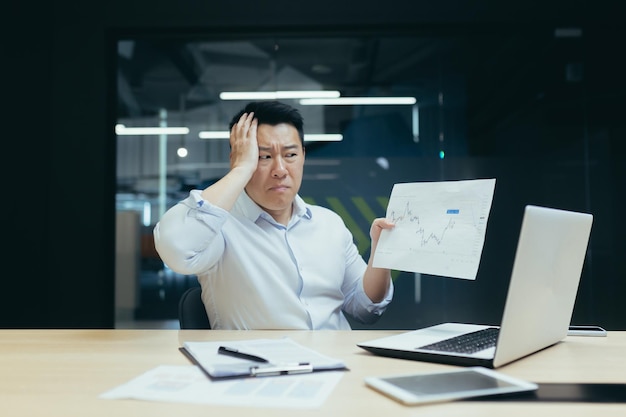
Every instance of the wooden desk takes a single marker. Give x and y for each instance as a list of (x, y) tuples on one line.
[(61, 373)]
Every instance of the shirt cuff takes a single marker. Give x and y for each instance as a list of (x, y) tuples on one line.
[(201, 208)]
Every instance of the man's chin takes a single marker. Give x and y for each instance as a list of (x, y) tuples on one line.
[(278, 204)]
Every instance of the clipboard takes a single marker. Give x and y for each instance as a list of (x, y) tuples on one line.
[(263, 357)]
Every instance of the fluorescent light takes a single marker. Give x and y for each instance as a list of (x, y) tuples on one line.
[(123, 130), (343, 101), (205, 134), (323, 137), (317, 137), (276, 95), (415, 123)]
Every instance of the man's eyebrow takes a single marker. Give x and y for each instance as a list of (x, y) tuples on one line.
[(287, 147)]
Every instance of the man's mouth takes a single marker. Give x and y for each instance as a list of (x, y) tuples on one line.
[(279, 188)]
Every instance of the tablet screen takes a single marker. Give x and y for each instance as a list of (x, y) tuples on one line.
[(442, 383), (449, 385)]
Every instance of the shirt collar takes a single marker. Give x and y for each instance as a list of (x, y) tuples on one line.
[(301, 208)]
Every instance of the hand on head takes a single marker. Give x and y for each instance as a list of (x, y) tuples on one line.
[(244, 148)]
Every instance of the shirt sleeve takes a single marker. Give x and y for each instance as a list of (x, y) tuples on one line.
[(188, 236), (366, 311), (357, 304)]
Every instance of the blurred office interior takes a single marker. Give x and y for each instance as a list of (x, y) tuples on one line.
[(529, 94)]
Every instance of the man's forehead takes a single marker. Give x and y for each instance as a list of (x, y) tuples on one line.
[(280, 136)]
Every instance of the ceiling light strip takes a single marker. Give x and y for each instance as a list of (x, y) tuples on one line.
[(315, 137), (277, 95), (122, 130), (349, 101), (214, 134), (323, 137)]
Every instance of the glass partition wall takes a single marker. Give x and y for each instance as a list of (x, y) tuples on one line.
[(512, 106)]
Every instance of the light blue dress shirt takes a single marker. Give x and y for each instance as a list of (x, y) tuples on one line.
[(258, 274)]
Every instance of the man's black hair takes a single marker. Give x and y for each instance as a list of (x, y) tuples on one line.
[(273, 113)]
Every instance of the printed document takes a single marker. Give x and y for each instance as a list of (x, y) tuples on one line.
[(440, 227), (188, 384)]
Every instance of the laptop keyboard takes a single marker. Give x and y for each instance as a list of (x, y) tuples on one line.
[(467, 343)]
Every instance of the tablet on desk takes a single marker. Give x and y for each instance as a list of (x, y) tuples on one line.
[(586, 331), (470, 382)]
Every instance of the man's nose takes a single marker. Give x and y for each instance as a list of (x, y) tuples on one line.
[(279, 170)]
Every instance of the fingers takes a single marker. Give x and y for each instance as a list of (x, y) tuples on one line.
[(244, 122), (383, 223), (246, 125), (244, 149), (378, 225)]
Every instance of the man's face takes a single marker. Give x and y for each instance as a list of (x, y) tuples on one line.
[(278, 176)]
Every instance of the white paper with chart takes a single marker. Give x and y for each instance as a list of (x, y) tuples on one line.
[(440, 227)]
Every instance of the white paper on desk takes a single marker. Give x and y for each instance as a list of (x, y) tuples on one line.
[(440, 227), (188, 384)]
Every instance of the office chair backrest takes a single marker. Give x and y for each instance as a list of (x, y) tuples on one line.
[(191, 311)]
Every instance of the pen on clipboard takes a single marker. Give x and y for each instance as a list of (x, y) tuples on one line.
[(277, 369), (230, 351)]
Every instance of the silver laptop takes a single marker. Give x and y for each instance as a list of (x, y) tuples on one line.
[(539, 305)]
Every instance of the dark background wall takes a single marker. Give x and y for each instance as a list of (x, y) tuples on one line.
[(59, 154)]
